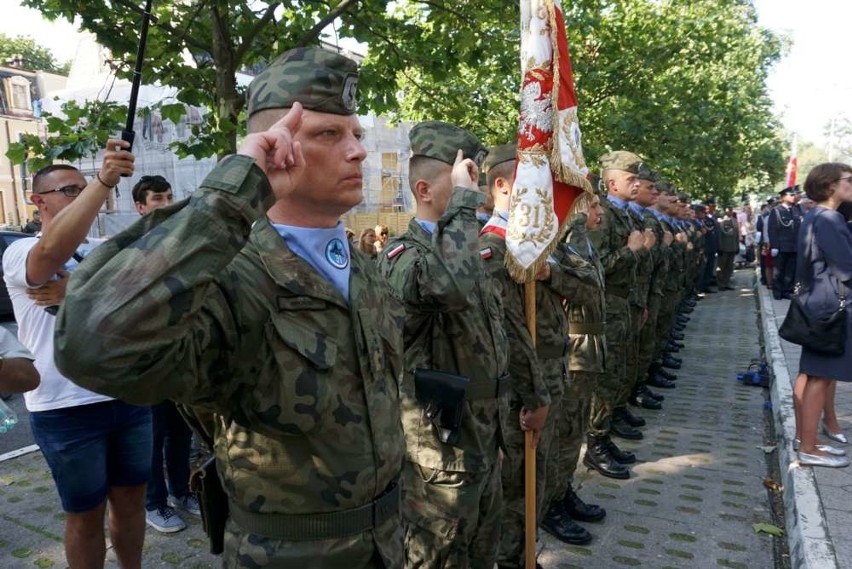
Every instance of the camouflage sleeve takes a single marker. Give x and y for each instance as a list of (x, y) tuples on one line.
[(144, 318), (445, 275), (614, 258), (571, 277), (527, 379)]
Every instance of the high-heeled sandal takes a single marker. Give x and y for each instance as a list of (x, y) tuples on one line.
[(839, 436)]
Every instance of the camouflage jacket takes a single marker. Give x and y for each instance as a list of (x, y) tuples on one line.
[(644, 265), (661, 254), (586, 314), (453, 324), (610, 241), (677, 260), (527, 381), (204, 304)]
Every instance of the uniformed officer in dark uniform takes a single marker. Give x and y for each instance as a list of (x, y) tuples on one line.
[(783, 227)]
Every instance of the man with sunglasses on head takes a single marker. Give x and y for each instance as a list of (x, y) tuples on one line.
[(98, 448)]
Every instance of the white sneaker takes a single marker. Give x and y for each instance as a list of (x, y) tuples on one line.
[(188, 504), (164, 520)]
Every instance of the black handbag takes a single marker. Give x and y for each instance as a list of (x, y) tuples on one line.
[(823, 335)]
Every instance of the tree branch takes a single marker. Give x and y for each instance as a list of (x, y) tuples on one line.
[(314, 32), (155, 21), (249, 38)]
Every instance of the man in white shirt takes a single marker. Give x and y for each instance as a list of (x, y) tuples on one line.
[(97, 448)]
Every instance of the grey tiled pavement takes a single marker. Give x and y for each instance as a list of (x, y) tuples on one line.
[(691, 502)]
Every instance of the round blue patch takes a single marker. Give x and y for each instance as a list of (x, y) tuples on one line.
[(335, 253)]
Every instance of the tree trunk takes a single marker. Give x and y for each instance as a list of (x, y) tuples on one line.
[(228, 100)]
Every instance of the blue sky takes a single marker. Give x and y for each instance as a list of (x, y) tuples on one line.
[(809, 86)]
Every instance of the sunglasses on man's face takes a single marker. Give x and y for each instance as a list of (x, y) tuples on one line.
[(71, 191)]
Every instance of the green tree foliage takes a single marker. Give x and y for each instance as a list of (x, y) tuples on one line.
[(23, 52), (681, 82)]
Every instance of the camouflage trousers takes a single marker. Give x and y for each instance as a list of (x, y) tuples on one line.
[(512, 528), (725, 268), (573, 417), (245, 550), (632, 359), (453, 518), (613, 381), (665, 321), (648, 340)]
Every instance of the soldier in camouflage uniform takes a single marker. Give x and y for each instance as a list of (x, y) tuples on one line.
[(649, 373), (624, 423), (246, 300), (453, 329), (585, 310), (621, 247)]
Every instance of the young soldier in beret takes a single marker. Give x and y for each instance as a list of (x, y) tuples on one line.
[(246, 301), (621, 247), (455, 357)]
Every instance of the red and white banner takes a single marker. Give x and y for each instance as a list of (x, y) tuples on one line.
[(551, 171), (792, 167)]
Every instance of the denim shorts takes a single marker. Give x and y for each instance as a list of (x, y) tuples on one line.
[(91, 448)]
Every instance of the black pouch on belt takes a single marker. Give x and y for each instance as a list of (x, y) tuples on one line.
[(443, 395)]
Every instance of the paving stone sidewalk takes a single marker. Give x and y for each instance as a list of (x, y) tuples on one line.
[(699, 483)]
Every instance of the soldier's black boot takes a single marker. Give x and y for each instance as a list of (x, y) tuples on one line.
[(579, 510), (598, 458), (670, 363), (620, 428), (622, 456), (630, 418), (641, 399), (657, 380), (558, 523), (659, 370)]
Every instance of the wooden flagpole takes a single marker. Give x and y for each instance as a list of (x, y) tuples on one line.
[(530, 520)]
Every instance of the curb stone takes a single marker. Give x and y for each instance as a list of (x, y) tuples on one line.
[(807, 529)]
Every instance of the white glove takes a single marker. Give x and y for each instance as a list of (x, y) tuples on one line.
[(773, 252)]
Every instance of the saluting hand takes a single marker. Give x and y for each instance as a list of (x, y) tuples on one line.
[(667, 238), (650, 239), (635, 241), (275, 152), (465, 172)]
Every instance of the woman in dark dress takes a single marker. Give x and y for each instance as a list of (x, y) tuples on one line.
[(824, 270)]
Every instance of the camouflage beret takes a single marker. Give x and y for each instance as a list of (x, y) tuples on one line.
[(699, 207), (682, 197), (441, 141), (646, 173), (665, 187), (319, 79), (500, 154), (622, 160)]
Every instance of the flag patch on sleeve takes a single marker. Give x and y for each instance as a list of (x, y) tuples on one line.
[(485, 253), (396, 251)]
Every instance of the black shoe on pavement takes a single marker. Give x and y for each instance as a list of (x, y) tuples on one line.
[(629, 417), (673, 358), (644, 389), (620, 428), (558, 523), (679, 328), (665, 373), (671, 349), (622, 456), (677, 336), (655, 380), (670, 363), (597, 457), (581, 511), (683, 318), (645, 401)]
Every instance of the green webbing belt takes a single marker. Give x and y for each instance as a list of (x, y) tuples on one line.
[(311, 527)]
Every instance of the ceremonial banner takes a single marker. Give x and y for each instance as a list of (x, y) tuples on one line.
[(792, 167), (551, 171)]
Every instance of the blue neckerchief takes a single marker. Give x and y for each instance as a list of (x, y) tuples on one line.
[(636, 208), (428, 226), (658, 214), (502, 214), (617, 202), (482, 217), (324, 249)]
